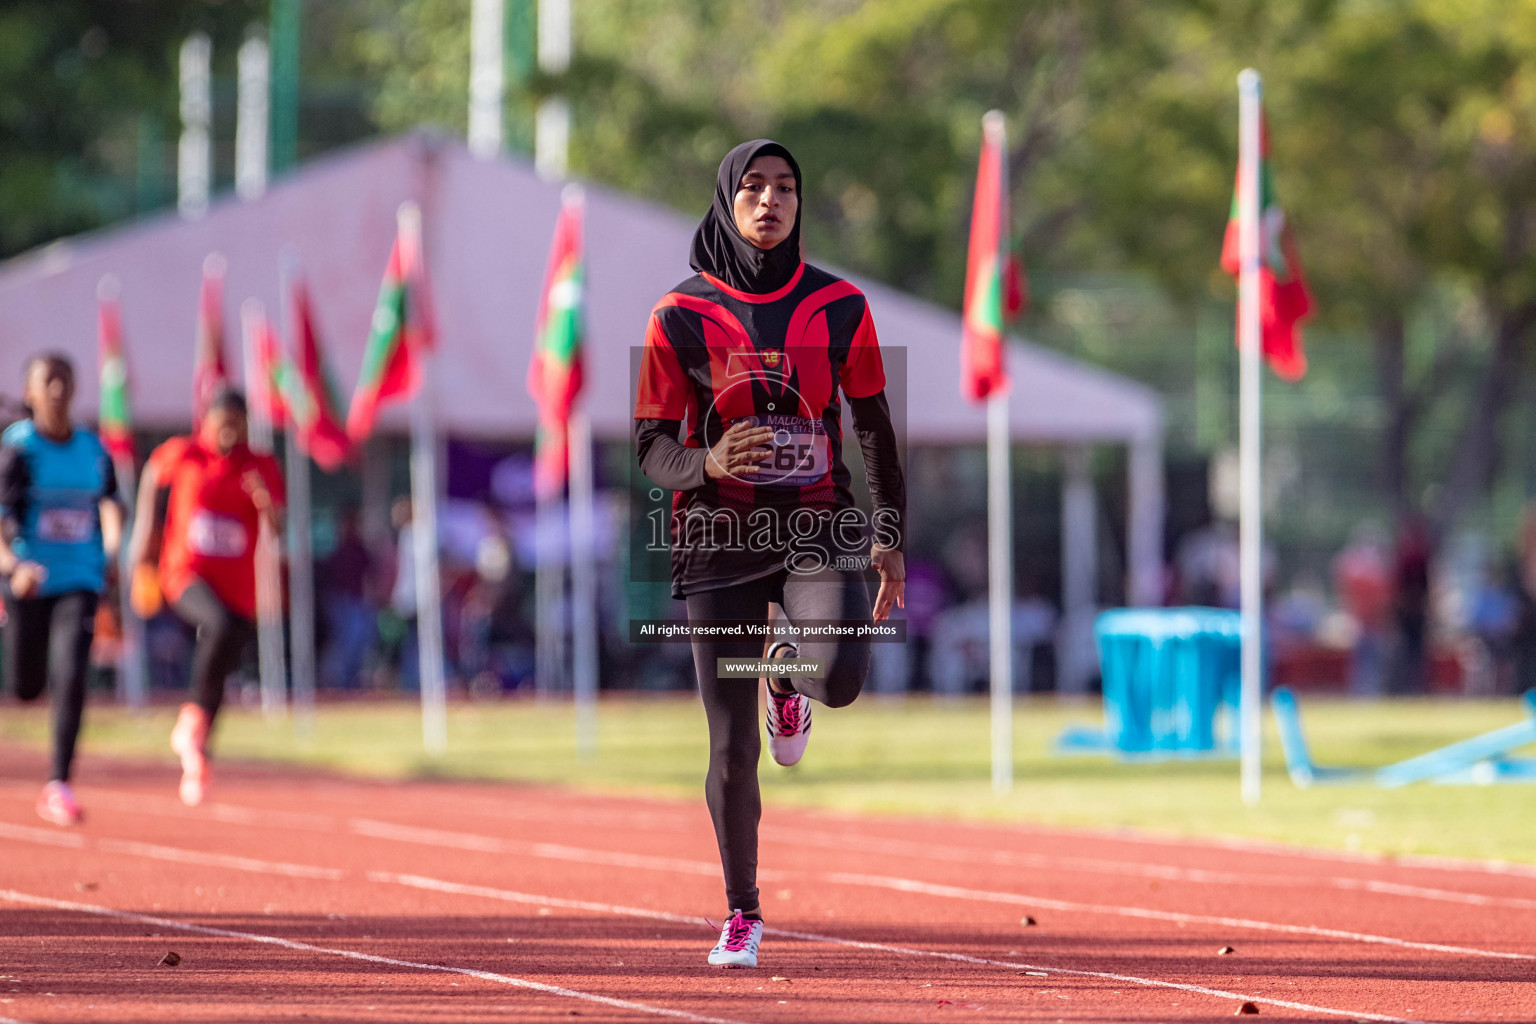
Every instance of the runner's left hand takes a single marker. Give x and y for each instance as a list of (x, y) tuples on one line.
[(892, 566), (256, 487)]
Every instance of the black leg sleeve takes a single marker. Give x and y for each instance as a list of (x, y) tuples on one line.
[(735, 738), (69, 663), (26, 645), (221, 639), (820, 596)]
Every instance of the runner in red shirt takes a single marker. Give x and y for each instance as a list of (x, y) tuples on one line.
[(216, 494), (755, 354)]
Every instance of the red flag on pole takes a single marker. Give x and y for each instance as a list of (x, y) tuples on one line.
[(401, 331), (1284, 300), (209, 369), (310, 394), (271, 369), (555, 371), (115, 422), (994, 280)]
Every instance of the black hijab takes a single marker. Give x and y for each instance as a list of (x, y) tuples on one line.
[(721, 251)]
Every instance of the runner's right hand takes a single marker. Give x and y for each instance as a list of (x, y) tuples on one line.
[(738, 451), (26, 578), (144, 591)]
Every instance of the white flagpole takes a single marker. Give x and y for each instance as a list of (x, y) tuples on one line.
[(1251, 529), (1000, 541), (552, 121), (269, 582), (130, 662), (583, 582), (429, 602), (487, 44), (1000, 591), (194, 153), (549, 596), (301, 569), (253, 121)]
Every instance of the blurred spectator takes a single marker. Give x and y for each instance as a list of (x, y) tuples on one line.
[(1364, 585), (1411, 607), (496, 642), (1524, 639), (961, 653), (402, 598), (1208, 566), (346, 581), (1494, 619)]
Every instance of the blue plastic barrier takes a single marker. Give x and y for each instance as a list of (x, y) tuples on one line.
[(1481, 760), (1169, 675)]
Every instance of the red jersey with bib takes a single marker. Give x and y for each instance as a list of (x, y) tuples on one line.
[(714, 355), (211, 522)]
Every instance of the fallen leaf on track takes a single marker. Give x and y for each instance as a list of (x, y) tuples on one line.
[(1224, 950), (1028, 922), (1245, 1009), (170, 959)]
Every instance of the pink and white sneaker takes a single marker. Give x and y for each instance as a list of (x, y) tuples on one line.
[(739, 939), (189, 739), (789, 717), (56, 803)]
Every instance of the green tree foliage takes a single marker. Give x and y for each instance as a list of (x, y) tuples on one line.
[(75, 80)]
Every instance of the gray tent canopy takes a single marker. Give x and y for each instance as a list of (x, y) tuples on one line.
[(487, 226)]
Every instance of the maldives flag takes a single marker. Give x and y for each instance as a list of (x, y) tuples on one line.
[(114, 422), (310, 393), (271, 368), (401, 332), (994, 280), (555, 372), (1284, 300), (209, 370)]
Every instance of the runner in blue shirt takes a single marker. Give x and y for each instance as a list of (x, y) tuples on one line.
[(60, 522)]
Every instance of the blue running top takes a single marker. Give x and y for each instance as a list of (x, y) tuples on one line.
[(50, 504)]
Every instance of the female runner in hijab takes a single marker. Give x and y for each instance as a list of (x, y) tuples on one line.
[(752, 353)]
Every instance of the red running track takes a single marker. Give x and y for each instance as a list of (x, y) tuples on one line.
[(298, 896)]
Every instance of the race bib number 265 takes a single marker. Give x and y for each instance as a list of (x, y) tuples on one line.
[(798, 451)]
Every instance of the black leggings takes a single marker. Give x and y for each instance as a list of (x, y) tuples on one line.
[(222, 637), (730, 705), (48, 640)]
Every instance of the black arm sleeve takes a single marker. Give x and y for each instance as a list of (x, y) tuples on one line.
[(14, 479), (664, 459), (882, 463), (108, 478)]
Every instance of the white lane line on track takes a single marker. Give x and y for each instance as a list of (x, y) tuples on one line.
[(175, 854), (462, 841), (509, 896), (557, 852), (218, 860), (13, 896), (912, 885), (48, 836), (505, 895), (240, 815), (549, 851), (1134, 869)]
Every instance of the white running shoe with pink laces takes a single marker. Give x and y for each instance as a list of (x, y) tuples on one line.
[(739, 939), (189, 739), (789, 717), (56, 803)]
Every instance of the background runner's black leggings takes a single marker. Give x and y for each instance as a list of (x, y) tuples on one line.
[(221, 639), (731, 704), (48, 641)]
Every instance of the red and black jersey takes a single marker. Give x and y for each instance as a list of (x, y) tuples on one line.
[(714, 355)]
